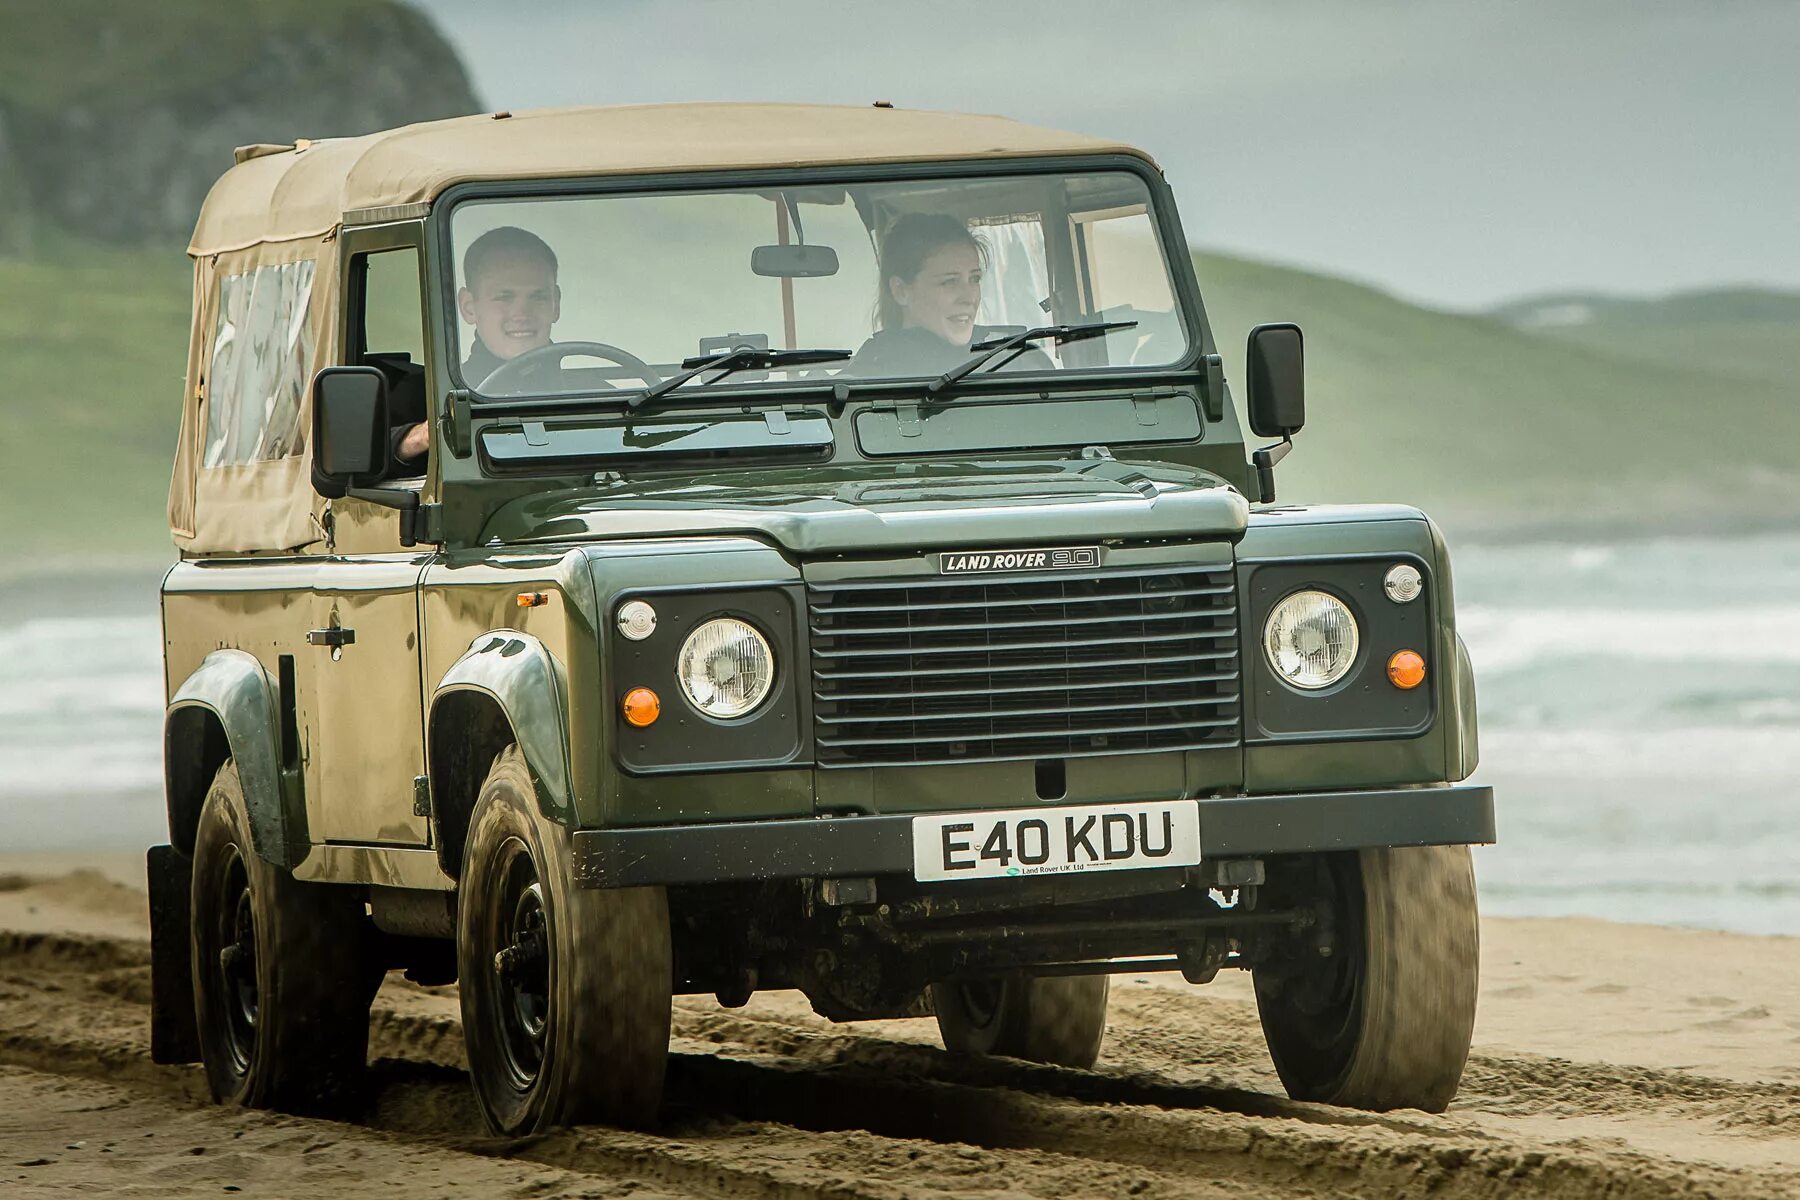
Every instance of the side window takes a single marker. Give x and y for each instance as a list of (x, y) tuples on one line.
[(1120, 260), (387, 331), (393, 322), (262, 353), (1125, 277), (1017, 280)]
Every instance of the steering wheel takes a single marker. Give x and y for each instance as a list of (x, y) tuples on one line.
[(511, 373)]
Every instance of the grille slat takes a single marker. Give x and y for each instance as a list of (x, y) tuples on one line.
[(953, 693), (965, 626), (1072, 664), (1062, 710), (1010, 735), (988, 647), (1013, 668), (857, 609)]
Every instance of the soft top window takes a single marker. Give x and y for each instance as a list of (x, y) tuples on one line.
[(259, 368)]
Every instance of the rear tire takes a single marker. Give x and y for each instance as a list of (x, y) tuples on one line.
[(565, 990), (1060, 1021), (1386, 1021), (282, 981)]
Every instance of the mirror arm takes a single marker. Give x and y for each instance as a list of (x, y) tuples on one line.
[(1265, 460), (403, 499)]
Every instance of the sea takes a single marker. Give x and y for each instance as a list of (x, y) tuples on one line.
[(1639, 699)]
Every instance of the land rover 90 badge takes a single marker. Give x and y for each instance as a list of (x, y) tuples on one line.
[(978, 562)]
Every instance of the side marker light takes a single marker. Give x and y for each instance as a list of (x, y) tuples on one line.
[(1406, 669), (641, 707), (533, 599)]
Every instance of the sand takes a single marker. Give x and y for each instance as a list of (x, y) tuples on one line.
[(1610, 1061)]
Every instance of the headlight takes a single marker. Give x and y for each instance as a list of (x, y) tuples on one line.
[(725, 667), (1311, 639)]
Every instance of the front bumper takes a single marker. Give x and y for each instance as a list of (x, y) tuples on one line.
[(841, 847)]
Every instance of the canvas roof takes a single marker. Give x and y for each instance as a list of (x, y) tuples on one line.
[(303, 191)]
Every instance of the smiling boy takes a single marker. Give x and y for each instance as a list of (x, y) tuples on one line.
[(511, 297)]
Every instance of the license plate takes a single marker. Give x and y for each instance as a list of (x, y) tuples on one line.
[(1056, 841)]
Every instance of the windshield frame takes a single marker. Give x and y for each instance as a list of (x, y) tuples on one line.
[(1164, 217)]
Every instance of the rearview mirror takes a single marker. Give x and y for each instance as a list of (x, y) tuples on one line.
[(349, 429), (1276, 371), (794, 262)]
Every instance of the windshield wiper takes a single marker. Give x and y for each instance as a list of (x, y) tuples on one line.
[(987, 352), (744, 358)]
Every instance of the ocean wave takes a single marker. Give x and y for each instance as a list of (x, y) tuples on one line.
[(1513, 639), (1720, 751)]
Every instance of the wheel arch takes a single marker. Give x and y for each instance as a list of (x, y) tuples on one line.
[(225, 710), (506, 688)]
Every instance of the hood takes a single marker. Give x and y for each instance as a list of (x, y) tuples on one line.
[(894, 507)]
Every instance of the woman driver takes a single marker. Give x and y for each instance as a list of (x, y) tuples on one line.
[(931, 269)]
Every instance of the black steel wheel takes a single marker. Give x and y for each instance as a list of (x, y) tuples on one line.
[(522, 966), (1058, 1020), (565, 990), (281, 972), (1384, 1021)]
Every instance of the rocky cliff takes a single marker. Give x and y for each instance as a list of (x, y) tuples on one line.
[(114, 129)]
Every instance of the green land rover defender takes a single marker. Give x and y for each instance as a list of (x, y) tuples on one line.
[(700, 549)]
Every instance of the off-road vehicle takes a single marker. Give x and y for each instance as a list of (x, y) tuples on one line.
[(833, 564)]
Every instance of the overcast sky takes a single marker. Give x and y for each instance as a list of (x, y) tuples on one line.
[(1455, 153)]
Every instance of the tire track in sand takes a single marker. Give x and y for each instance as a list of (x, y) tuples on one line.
[(761, 1106)]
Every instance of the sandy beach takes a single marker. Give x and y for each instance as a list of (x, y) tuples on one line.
[(1610, 1060)]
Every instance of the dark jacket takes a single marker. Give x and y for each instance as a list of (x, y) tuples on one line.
[(905, 352), (902, 353), (406, 400)]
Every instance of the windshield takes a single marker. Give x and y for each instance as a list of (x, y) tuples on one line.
[(564, 294)]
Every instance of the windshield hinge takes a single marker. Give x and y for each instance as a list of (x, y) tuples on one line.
[(455, 420), (1214, 394), (428, 524)]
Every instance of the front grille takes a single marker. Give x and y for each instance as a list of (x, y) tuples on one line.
[(1071, 664)]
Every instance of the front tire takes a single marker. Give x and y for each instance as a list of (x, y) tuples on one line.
[(565, 990), (1384, 1022), (282, 982), (1060, 1021)]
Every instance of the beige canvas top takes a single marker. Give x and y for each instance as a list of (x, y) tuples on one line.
[(284, 193)]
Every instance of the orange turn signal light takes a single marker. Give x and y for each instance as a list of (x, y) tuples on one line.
[(1406, 669), (533, 599), (641, 707)]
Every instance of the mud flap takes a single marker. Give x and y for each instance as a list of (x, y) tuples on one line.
[(174, 1037)]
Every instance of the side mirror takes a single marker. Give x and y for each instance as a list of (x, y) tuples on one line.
[(349, 429), (350, 445), (794, 262), (1276, 370)]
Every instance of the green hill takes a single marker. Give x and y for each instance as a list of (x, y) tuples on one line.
[(145, 50), (1494, 427), (1483, 424), (1738, 333), (93, 345)]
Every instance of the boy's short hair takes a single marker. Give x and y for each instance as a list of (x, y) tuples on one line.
[(508, 241)]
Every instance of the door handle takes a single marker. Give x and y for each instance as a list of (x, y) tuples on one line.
[(334, 637)]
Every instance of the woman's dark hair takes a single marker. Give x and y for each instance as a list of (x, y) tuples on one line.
[(908, 242)]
